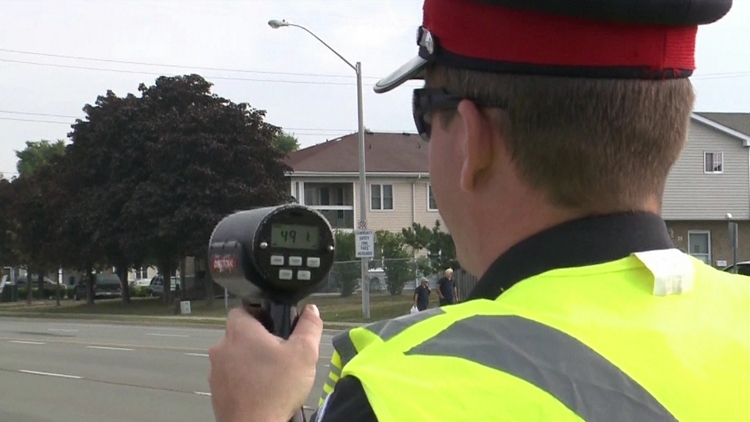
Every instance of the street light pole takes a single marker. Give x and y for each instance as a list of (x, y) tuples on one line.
[(362, 223), (733, 241)]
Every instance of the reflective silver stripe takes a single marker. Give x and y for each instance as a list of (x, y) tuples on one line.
[(386, 330), (390, 328), (344, 346), (335, 371), (573, 373)]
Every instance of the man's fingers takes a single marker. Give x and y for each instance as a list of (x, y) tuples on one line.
[(240, 322), (308, 332)]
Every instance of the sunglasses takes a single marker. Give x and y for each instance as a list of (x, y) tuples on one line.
[(428, 100)]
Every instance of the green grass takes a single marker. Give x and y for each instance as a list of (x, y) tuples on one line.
[(332, 308), (349, 309)]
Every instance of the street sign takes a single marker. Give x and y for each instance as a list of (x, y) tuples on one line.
[(362, 225), (364, 243)]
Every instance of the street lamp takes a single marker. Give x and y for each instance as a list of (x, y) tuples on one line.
[(733, 241), (362, 224)]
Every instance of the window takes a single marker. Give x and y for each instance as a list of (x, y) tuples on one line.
[(381, 197), (713, 162), (699, 245), (431, 204)]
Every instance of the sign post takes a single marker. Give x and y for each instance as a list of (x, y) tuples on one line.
[(364, 241)]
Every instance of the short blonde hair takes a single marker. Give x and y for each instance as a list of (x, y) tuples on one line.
[(449, 271)]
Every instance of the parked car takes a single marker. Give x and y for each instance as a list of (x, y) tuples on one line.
[(157, 285), (743, 268), (105, 286), (141, 282), (48, 283)]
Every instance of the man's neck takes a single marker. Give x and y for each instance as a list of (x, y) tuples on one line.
[(527, 224)]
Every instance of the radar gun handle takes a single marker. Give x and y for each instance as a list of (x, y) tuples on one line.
[(280, 321)]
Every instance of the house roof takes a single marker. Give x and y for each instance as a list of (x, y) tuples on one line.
[(385, 153), (739, 122), (407, 153)]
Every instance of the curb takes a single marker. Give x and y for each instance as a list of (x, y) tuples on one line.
[(192, 322)]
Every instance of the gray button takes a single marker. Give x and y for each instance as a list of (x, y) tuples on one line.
[(313, 262), (286, 274), (295, 261), (303, 275), (277, 260)]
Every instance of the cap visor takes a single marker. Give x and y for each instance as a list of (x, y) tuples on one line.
[(410, 70)]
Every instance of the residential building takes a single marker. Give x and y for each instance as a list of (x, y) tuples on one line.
[(710, 180), (326, 177)]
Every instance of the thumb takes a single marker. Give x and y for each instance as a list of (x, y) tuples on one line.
[(308, 332)]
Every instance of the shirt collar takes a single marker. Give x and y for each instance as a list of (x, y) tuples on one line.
[(577, 243)]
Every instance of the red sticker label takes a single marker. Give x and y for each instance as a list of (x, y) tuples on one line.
[(223, 263)]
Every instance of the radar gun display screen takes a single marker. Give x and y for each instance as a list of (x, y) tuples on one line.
[(295, 236)]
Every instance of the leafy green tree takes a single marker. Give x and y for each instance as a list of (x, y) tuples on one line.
[(441, 251), (8, 253), (417, 236), (396, 260), (30, 219), (346, 270), (37, 154), (165, 167), (285, 143)]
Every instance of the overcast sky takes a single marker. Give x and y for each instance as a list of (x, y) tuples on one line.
[(117, 44)]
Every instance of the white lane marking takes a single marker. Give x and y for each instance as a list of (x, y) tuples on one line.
[(200, 393), (49, 374), (166, 335), (63, 330), (26, 342), (200, 355), (109, 348)]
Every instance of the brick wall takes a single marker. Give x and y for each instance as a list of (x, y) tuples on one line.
[(719, 235)]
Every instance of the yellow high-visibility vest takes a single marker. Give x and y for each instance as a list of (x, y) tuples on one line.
[(590, 344)]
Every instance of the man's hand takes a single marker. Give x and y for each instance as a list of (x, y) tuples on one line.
[(256, 376)]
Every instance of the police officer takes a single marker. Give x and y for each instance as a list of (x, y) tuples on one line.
[(553, 126)]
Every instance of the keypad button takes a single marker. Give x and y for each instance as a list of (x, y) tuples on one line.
[(286, 274), (303, 275), (313, 262), (277, 260), (295, 261)]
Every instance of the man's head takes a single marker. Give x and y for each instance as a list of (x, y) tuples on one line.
[(580, 114), (449, 273), (425, 282)]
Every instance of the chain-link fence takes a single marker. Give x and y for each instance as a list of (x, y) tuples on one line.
[(391, 276), (385, 276)]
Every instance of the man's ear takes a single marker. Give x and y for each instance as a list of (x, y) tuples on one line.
[(476, 144)]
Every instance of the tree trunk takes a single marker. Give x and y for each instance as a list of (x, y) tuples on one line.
[(89, 286), (209, 286), (183, 268), (29, 286), (57, 288), (40, 284), (122, 272), (165, 268)]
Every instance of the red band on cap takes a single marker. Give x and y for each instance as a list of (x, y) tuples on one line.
[(477, 30)]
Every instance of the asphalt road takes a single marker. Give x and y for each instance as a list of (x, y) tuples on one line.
[(88, 372)]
